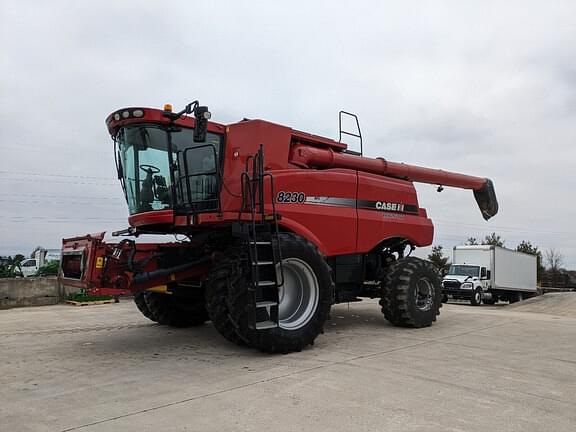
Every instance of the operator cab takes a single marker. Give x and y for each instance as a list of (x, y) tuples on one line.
[(163, 166), (471, 271)]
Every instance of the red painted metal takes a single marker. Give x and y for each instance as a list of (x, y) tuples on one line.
[(154, 116), (313, 157), (317, 167)]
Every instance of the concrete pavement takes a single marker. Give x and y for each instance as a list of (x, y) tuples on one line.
[(107, 368)]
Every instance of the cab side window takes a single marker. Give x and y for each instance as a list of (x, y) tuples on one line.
[(483, 273)]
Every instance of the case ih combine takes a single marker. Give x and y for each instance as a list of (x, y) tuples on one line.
[(276, 226)]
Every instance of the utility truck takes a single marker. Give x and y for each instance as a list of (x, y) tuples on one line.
[(486, 274), (30, 266), (273, 227)]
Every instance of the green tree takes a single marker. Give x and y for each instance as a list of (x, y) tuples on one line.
[(5, 263), (493, 240), (527, 247), (10, 266), (440, 261), (471, 241), (49, 269)]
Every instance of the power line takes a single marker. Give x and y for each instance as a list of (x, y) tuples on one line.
[(85, 197), (502, 228), (82, 203), (56, 181), (55, 218), (54, 175)]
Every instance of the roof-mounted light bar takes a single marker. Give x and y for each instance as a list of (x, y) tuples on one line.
[(128, 113)]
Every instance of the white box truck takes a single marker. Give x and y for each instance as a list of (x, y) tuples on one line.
[(487, 274)]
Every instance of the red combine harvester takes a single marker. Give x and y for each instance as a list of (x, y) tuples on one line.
[(277, 225)]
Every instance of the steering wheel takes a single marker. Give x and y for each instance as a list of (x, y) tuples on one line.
[(149, 169)]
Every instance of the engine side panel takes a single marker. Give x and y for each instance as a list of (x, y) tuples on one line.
[(347, 212), (389, 208), (319, 205)]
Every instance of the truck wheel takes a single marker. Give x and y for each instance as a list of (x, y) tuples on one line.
[(444, 298), (305, 300), (514, 297), (490, 301), (140, 301), (227, 273), (176, 311), (411, 293), (476, 298)]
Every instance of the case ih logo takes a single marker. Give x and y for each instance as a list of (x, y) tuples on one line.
[(387, 206)]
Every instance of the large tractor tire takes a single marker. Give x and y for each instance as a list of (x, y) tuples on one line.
[(176, 311), (411, 293), (305, 299), (140, 301), (227, 273)]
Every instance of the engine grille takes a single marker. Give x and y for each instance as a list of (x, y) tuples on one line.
[(451, 284)]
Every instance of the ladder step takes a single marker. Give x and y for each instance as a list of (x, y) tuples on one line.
[(261, 263), (266, 283), (263, 325), (266, 303), (261, 242)]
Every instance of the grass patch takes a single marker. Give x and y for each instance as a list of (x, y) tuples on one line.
[(81, 297)]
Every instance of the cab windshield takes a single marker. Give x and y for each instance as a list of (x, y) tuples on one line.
[(143, 163), (464, 270)]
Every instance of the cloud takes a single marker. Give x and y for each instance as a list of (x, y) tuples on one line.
[(480, 87)]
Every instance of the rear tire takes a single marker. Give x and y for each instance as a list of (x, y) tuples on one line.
[(490, 301), (411, 293), (476, 299), (176, 311), (514, 297), (140, 301)]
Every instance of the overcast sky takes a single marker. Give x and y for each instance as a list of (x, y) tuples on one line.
[(485, 88)]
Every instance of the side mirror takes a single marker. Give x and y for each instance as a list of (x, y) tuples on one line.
[(487, 274), (202, 115)]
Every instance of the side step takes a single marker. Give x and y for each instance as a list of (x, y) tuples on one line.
[(263, 260), (265, 325), (264, 280)]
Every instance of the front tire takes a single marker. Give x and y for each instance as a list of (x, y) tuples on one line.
[(476, 299), (176, 311), (304, 305), (140, 301), (224, 278), (411, 293)]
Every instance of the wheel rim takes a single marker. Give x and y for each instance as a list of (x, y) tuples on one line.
[(298, 296), (424, 297), (478, 297)]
